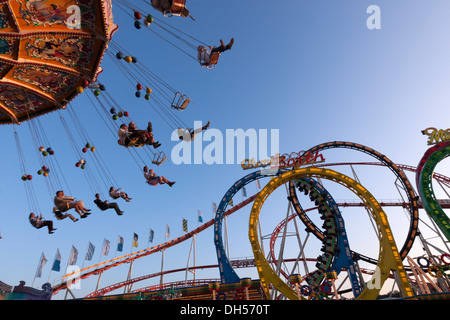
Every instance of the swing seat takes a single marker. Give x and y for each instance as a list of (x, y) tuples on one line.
[(159, 158), (178, 9), (213, 59), (171, 7), (58, 215), (180, 102), (136, 143)]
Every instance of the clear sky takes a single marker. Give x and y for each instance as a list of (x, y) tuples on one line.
[(311, 69)]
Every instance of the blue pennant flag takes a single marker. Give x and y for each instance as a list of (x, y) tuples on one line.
[(120, 244), (57, 262)]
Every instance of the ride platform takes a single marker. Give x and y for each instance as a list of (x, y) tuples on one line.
[(246, 289)]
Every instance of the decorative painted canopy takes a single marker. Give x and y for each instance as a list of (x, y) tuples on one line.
[(48, 48)]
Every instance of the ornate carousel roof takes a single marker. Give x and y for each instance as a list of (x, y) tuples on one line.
[(48, 48)]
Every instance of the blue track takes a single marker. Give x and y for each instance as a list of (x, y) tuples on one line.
[(343, 259), (227, 274)]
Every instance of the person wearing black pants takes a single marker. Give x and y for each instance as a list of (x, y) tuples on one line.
[(104, 205), (39, 222)]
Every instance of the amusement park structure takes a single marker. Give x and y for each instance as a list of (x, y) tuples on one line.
[(48, 58), (423, 277)]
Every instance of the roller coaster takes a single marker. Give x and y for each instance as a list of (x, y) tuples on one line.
[(303, 173)]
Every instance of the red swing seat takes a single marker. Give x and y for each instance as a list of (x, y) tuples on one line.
[(213, 59)]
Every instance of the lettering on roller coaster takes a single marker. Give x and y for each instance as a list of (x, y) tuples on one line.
[(285, 161), (436, 136)]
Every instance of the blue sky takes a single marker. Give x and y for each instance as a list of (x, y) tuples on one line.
[(311, 69)]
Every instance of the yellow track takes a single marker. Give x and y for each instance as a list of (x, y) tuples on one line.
[(388, 259)]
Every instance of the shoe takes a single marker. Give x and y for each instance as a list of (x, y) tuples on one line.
[(87, 210), (120, 213), (75, 220), (83, 216), (230, 44), (86, 213), (207, 124), (149, 127), (171, 184), (51, 231)]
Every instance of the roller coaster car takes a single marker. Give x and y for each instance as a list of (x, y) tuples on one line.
[(180, 101), (159, 158), (171, 7)]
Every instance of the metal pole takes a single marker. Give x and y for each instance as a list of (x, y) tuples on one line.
[(127, 288), (162, 267)]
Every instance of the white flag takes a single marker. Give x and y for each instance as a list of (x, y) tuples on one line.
[(42, 262), (73, 256), (105, 249), (167, 231)]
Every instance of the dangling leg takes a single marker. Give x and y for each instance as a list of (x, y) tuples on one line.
[(77, 209), (49, 225), (230, 44), (206, 126), (80, 205), (71, 217), (198, 130), (223, 47), (164, 180), (63, 216), (115, 206)]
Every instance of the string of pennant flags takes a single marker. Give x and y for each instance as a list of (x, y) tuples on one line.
[(73, 256)]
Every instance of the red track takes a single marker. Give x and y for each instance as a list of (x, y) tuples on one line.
[(101, 267)]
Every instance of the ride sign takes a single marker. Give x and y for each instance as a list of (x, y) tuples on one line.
[(436, 136), (294, 159)]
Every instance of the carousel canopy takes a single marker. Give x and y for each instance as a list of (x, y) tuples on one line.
[(48, 49)]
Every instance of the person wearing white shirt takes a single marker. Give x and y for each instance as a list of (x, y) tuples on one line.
[(153, 180)]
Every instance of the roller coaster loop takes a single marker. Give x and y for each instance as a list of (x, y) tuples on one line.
[(424, 175), (226, 271), (412, 197), (388, 260)]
